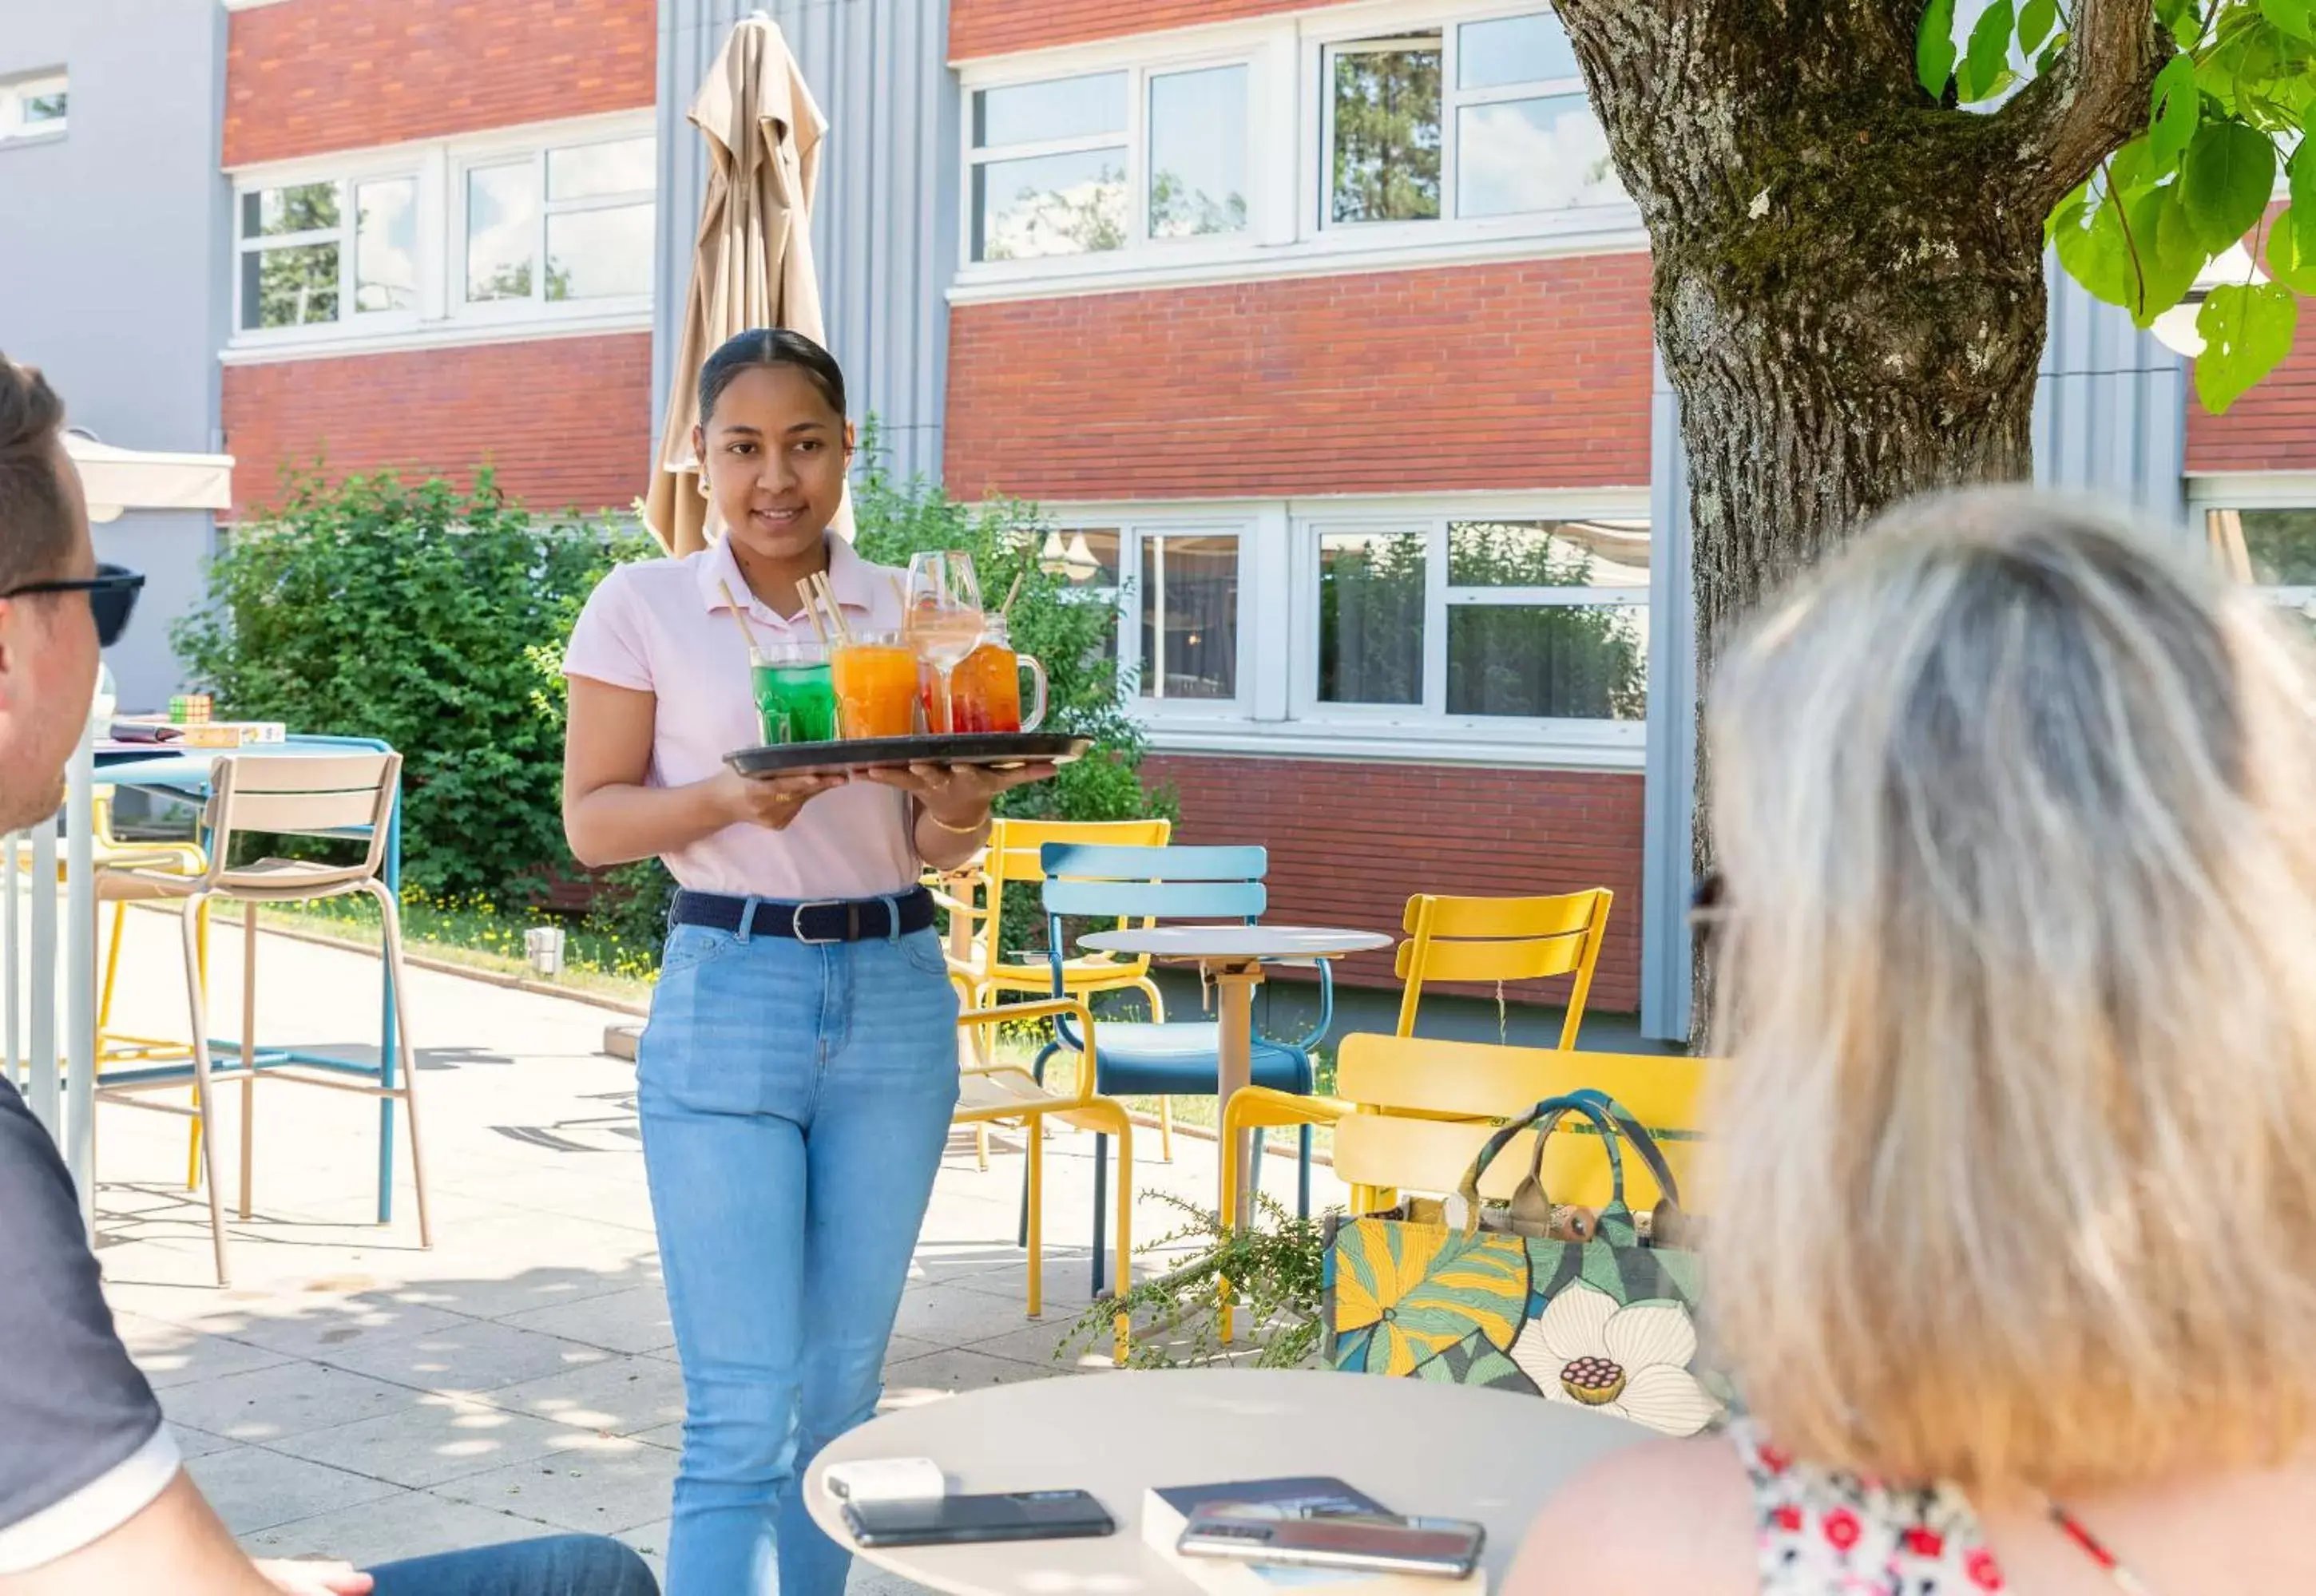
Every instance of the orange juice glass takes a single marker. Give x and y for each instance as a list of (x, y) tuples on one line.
[(876, 679)]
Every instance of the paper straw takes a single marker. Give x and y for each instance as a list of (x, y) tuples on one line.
[(811, 611), (740, 619), (1012, 593), (835, 610)]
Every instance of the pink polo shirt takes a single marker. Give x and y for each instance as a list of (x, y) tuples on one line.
[(665, 621)]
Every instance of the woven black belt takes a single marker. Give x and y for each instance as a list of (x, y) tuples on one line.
[(869, 919)]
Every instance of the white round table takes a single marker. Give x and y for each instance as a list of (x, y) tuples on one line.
[(1232, 957), (1417, 1447)]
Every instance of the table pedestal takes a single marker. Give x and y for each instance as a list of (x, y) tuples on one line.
[(1237, 979)]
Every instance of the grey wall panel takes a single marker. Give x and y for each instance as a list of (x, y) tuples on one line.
[(2110, 407), (1671, 798), (112, 264), (885, 233)]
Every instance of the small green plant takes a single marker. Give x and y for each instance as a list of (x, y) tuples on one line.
[(1277, 1271)]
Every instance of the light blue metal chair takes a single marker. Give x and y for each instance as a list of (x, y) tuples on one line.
[(1177, 1058)]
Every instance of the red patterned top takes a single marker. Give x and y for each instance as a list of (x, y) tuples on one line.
[(1828, 1534)]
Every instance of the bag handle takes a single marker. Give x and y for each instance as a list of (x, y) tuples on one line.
[(1543, 1118), (1644, 1142)]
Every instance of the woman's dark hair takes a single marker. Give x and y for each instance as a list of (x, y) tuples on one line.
[(769, 346)]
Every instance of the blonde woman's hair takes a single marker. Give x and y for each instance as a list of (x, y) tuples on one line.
[(2015, 1167)]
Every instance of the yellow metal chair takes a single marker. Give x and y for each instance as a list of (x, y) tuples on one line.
[(1009, 1095), (1462, 939), (1503, 939), (1015, 856), (1412, 1113)]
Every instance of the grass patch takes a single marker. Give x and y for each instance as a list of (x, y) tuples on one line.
[(478, 934)]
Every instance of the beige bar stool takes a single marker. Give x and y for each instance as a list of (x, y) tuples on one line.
[(337, 794)]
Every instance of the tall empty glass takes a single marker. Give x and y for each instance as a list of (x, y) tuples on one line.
[(944, 619)]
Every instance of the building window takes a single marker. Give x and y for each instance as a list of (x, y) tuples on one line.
[(499, 228), (1175, 594), (1484, 118), (1067, 167), (1189, 616), (561, 224), (2273, 548), (307, 255), (1486, 620), (33, 107)]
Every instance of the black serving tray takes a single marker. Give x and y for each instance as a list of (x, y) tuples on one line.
[(999, 748)]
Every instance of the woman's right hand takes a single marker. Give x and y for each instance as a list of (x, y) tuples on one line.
[(771, 801)]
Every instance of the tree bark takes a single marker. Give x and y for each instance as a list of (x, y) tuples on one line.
[(1848, 287)]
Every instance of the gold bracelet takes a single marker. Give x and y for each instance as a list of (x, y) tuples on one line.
[(976, 829)]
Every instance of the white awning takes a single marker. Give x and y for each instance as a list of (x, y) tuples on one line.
[(119, 479)]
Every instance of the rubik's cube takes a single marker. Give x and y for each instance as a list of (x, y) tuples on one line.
[(190, 709)]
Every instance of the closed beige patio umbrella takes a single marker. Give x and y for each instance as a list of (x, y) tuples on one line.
[(752, 265)]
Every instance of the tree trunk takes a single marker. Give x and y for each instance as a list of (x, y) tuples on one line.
[(1848, 287)]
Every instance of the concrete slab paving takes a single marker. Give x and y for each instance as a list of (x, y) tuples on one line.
[(352, 1395)]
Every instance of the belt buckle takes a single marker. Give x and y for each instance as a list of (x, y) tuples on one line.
[(795, 923)]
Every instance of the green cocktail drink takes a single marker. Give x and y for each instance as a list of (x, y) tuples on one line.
[(795, 700)]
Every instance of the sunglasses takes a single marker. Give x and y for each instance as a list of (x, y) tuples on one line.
[(1706, 904), (112, 597)]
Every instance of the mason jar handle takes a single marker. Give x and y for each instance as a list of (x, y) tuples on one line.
[(1036, 717)]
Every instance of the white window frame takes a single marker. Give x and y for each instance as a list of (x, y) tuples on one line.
[(477, 156), (1289, 103), (14, 97), (443, 315), (1440, 599), (2278, 490), (345, 236), (1277, 711), (1134, 533), (1134, 140)]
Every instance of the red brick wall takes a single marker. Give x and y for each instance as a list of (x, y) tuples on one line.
[(1350, 843), (1523, 375), (567, 422), (2273, 428), (998, 27), (314, 75)]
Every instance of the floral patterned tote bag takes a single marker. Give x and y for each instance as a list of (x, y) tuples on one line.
[(1595, 1310)]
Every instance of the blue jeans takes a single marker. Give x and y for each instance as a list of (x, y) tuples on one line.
[(794, 1101), (557, 1566)]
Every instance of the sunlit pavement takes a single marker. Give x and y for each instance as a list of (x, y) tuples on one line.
[(355, 1396)]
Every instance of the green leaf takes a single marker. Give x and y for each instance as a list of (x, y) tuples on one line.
[(1989, 54), (2132, 169), (2246, 333), (2182, 19), (2088, 235), (2175, 106), (2299, 173), (2292, 16), (2230, 172), (2290, 260), (2050, 55), (1934, 49), (2036, 18), (2168, 250)]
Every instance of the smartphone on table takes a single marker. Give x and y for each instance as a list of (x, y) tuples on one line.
[(1378, 1543), (958, 1521)]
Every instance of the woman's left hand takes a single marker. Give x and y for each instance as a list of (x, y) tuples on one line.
[(957, 795)]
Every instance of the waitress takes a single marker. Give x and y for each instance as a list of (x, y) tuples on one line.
[(797, 1074)]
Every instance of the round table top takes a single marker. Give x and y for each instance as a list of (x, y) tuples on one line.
[(1236, 942), (1456, 1451)]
